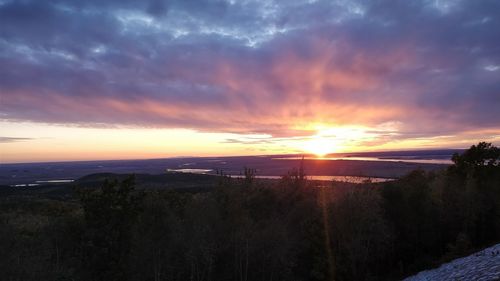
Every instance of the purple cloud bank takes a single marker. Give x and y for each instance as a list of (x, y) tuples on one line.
[(252, 67)]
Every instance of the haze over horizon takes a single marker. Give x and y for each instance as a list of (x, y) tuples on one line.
[(94, 80)]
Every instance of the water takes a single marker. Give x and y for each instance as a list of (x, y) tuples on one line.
[(350, 179), (40, 182), (55, 181), (25, 185), (383, 159), (191, 171)]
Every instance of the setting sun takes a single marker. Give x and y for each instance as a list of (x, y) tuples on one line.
[(329, 139), (320, 146)]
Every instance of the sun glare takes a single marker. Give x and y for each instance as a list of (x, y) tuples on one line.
[(334, 139), (319, 146)]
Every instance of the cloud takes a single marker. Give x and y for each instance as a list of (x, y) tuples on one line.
[(254, 66), (11, 139)]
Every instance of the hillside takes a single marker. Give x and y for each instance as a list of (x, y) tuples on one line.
[(483, 265)]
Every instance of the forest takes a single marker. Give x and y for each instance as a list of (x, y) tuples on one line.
[(246, 229)]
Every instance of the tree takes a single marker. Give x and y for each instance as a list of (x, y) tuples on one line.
[(361, 236), (477, 156), (249, 176), (109, 214), (477, 171)]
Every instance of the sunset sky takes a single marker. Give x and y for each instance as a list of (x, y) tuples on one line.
[(94, 79)]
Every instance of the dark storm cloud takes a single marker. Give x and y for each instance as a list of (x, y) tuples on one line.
[(252, 66)]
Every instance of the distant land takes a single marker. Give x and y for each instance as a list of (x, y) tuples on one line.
[(387, 164)]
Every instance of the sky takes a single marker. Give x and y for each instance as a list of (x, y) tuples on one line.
[(94, 79)]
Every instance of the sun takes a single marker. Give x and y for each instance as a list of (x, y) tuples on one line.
[(333, 139), (319, 146)]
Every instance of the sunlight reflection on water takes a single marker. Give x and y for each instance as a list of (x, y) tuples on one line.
[(395, 159)]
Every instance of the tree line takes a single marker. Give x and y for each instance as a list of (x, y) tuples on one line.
[(244, 229)]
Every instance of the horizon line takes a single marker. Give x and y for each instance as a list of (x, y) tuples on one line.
[(227, 156)]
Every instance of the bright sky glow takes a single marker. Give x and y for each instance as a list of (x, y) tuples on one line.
[(83, 80)]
